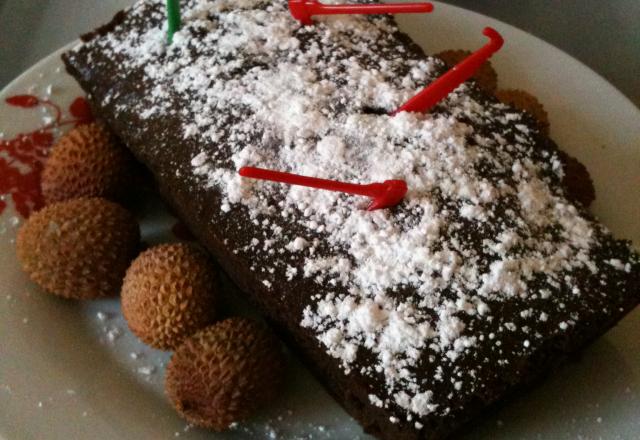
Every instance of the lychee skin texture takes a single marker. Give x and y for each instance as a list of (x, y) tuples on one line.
[(87, 162), (525, 101), (486, 76), (79, 249), (223, 373), (169, 293)]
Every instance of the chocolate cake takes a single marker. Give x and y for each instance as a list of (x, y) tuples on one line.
[(415, 318)]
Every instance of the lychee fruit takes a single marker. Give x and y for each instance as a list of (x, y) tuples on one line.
[(223, 373), (88, 162), (80, 248), (169, 292)]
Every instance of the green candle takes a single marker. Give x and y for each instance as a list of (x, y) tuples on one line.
[(173, 17)]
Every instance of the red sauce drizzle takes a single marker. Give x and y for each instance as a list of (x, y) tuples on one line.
[(22, 158)]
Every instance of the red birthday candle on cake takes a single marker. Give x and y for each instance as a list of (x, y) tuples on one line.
[(384, 195), (440, 88), (303, 10)]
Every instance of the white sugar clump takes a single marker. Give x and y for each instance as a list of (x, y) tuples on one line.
[(297, 245)]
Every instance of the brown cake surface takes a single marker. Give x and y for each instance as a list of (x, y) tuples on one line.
[(415, 318)]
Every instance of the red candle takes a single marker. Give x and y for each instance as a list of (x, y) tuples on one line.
[(426, 99), (384, 195), (303, 10)]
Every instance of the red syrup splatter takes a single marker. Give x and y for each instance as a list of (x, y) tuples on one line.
[(22, 158)]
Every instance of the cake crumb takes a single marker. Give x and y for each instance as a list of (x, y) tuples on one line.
[(113, 334), (146, 370)]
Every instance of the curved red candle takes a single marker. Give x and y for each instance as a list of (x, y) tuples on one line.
[(385, 195), (440, 88), (303, 10)]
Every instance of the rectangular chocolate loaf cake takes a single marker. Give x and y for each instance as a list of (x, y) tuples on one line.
[(415, 318)]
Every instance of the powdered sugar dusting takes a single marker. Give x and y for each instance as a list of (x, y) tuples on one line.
[(485, 222)]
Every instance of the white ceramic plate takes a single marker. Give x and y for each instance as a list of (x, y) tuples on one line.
[(67, 369)]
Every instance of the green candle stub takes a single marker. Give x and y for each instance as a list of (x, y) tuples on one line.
[(173, 17)]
